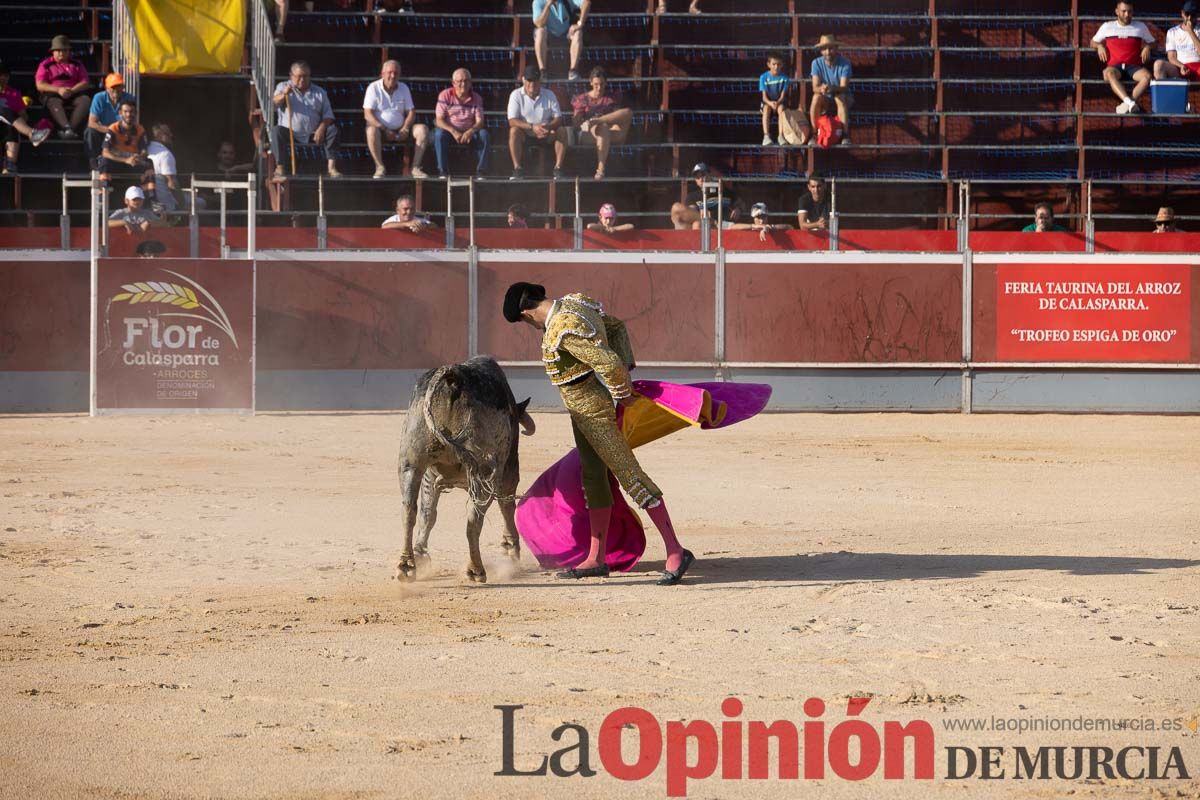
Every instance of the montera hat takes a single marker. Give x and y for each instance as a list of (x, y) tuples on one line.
[(519, 293)]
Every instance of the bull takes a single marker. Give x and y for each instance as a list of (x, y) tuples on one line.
[(460, 433)]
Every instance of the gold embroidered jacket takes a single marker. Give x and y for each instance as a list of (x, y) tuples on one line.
[(581, 339)]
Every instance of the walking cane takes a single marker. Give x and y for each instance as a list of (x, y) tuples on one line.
[(287, 98)]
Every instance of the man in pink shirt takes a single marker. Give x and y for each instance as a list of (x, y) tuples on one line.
[(1123, 46), (63, 81), (459, 120)]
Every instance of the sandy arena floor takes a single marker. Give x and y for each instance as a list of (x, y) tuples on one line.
[(203, 607)]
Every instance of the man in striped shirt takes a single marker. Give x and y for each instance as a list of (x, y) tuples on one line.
[(459, 120)]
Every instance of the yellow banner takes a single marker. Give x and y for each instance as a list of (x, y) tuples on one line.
[(189, 37)]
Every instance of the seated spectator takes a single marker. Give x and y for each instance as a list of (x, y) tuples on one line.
[(562, 19), (607, 221), (813, 212), (1043, 220), (831, 75), (63, 81), (459, 120), (699, 203), (390, 114), (406, 217), (304, 113), (126, 148), (518, 216), (602, 113), (773, 85), (1124, 46), (135, 218), (534, 117), (1165, 221), (168, 196), (227, 163), (15, 123), (693, 7), (1183, 48), (102, 113)]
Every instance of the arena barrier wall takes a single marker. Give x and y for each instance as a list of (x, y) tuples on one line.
[(858, 330)]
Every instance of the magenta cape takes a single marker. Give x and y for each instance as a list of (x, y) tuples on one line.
[(552, 518)]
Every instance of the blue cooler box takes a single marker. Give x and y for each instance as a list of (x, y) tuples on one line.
[(1168, 97)]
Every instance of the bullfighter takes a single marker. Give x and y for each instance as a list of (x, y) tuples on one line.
[(587, 355)]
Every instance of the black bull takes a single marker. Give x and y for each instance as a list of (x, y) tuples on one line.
[(460, 432)]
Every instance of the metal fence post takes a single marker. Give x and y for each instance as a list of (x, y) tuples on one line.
[(64, 221), (1089, 224), (833, 216), (322, 222), (577, 243), (967, 327)]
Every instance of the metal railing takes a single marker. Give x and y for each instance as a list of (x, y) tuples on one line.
[(262, 71), (126, 50)]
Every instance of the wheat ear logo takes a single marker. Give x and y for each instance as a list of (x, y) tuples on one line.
[(179, 296)]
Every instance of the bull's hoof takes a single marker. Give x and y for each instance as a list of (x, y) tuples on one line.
[(406, 571), (476, 577), (512, 550), (423, 561)]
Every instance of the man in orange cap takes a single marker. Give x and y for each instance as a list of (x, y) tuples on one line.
[(104, 113)]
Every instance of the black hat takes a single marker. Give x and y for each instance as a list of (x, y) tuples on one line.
[(532, 73), (1189, 7), (519, 294)]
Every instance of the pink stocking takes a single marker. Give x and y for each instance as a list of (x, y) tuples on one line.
[(662, 521), (599, 518)]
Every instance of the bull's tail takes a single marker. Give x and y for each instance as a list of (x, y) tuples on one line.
[(443, 390)]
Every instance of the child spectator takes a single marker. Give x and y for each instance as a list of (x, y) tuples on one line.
[(607, 221), (135, 218), (773, 85), (759, 221), (518, 216)]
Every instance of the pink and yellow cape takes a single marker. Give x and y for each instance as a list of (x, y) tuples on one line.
[(552, 518)]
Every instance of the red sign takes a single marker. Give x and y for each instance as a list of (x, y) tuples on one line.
[(1093, 312), (174, 334)]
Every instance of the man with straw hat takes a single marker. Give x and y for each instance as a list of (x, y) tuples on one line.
[(831, 75), (1165, 221)]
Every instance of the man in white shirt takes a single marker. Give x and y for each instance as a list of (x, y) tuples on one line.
[(166, 187), (1123, 46), (390, 115), (534, 116), (1183, 47), (406, 217)]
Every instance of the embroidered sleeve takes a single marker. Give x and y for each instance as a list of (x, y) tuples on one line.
[(609, 366), (618, 340)]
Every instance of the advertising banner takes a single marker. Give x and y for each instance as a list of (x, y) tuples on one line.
[(174, 335), (1094, 312)]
